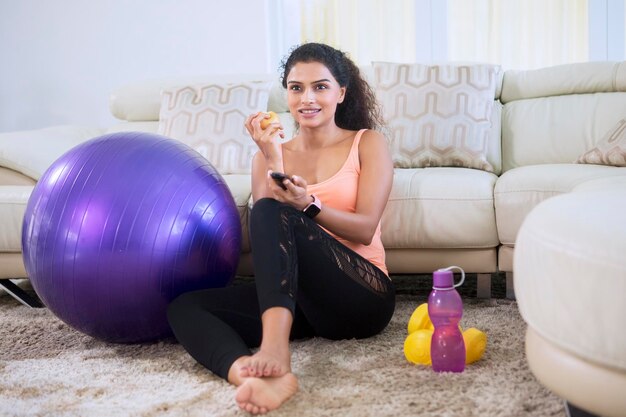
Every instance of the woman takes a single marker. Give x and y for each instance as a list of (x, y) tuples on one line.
[(315, 235)]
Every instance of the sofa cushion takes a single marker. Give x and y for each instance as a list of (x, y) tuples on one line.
[(210, 119), (440, 208), (553, 130), (612, 182), (610, 150), (519, 190), (438, 115), (240, 187), (13, 200)]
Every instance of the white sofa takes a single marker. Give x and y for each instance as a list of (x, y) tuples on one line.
[(542, 121)]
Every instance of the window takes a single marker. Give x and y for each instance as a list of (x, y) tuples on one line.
[(517, 34)]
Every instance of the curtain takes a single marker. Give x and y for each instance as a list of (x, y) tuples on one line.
[(368, 30), (518, 34)]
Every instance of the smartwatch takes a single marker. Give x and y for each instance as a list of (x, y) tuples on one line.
[(314, 208)]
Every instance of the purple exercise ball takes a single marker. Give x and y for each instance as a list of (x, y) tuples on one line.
[(122, 224)]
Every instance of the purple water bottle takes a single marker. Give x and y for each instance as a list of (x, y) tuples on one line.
[(445, 308)]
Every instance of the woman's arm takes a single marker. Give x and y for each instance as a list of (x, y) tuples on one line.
[(269, 156), (373, 192)]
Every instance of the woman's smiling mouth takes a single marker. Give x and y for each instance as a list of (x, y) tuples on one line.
[(309, 111)]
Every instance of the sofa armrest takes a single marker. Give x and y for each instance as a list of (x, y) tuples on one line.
[(11, 177), (32, 152)]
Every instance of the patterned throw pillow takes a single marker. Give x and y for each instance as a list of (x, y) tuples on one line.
[(437, 115), (210, 119), (610, 150)]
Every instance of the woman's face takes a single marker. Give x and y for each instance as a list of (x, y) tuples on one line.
[(313, 94)]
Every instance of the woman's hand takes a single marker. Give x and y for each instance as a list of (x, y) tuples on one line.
[(295, 193), (266, 139)]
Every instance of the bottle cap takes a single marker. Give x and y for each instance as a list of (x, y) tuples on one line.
[(443, 279)]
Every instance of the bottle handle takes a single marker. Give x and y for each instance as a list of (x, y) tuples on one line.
[(462, 274)]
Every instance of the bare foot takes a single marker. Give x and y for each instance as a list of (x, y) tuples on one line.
[(261, 395), (266, 364)]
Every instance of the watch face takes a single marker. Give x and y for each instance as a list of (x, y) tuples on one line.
[(312, 210)]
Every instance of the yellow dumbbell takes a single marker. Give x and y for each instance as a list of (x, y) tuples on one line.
[(417, 347), (420, 328), (420, 319), (475, 344)]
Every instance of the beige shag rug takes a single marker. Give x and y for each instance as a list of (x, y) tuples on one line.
[(47, 368)]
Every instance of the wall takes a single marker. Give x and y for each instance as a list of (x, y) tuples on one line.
[(61, 59)]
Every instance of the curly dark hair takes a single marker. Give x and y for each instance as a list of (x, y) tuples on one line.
[(359, 109)]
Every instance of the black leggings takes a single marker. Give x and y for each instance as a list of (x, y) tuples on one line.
[(331, 291)]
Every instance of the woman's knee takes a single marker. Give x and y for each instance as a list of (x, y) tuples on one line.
[(263, 207), (265, 203), (266, 215)]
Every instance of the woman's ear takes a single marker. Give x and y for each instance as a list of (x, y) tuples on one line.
[(342, 94)]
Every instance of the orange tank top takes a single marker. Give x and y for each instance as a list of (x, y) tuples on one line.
[(340, 192)]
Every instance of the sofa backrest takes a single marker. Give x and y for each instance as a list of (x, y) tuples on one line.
[(137, 105), (549, 115), (553, 115)]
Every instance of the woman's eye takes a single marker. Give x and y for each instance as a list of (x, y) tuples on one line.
[(294, 88), (322, 87)]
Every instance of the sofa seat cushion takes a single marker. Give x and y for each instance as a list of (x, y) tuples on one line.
[(440, 208), (13, 200), (570, 273), (241, 189), (519, 190)]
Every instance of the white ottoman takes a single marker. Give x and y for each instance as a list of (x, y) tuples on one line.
[(570, 284)]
